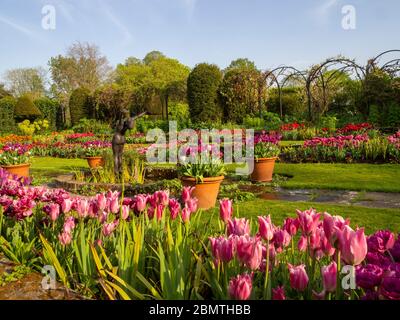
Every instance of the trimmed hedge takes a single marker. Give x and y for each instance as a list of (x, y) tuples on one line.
[(26, 109), (48, 108), (7, 122), (79, 105)]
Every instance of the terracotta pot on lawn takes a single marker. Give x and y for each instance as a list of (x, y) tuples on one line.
[(95, 162), (21, 170), (205, 191), (263, 169)]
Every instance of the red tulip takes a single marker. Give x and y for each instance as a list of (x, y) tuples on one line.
[(225, 210), (266, 228), (329, 274), (352, 245), (240, 287), (298, 277)]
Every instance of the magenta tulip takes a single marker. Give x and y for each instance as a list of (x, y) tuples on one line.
[(238, 227), (240, 287), (69, 225), (174, 208), (302, 244), (266, 228), (114, 205), (331, 224), (223, 249), (249, 251), (381, 241), (298, 277), (308, 220), (369, 276), (82, 207), (108, 228), (329, 274), (66, 205), (185, 214), (65, 238), (139, 203), (101, 201), (225, 210), (278, 293), (291, 225), (352, 245), (53, 210), (281, 239), (187, 193), (125, 212)]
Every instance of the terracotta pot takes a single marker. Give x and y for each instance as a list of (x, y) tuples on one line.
[(95, 162), (206, 191), (263, 169), (21, 170)]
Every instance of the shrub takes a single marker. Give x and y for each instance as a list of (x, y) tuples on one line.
[(48, 108), (91, 125), (393, 117), (179, 112), (202, 89), (241, 94), (26, 109), (7, 123), (28, 128), (79, 105), (374, 115)]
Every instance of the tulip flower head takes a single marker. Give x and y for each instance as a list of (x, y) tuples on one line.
[(240, 287)]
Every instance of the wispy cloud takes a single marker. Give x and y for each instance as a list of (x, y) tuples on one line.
[(107, 11), (189, 6), (16, 26), (323, 10)]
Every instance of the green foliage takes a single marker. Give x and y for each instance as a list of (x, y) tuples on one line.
[(17, 273), (7, 122), (293, 102), (91, 125), (266, 150), (241, 64), (48, 108), (26, 109), (79, 105), (241, 93), (200, 170), (374, 115), (328, 122), (393, 116), (179, 112), (202, 92), (272, 121)]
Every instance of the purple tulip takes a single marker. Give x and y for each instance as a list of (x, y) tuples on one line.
[(390, 286), (368, 276), (380, 241)]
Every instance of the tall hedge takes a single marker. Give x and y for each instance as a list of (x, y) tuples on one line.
[(49, 108), (26, 109), (7, 106), (79, 105), (202, 90)]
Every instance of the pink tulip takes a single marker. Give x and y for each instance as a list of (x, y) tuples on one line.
[(174, 208), (159, 211), (53, 210), (185, 213), (352, 245), (308, 220), (291, 226), (65, 238), (162, 197), (298, 277), (66, 205), (150, 212), (69, 225), (223, 249), (125, 212), (82, 207), (278, 293), (302, 244), (249, 251), (329, 274), (191, 204), (101, 201), (240, 287), (114, 205), (187, 193), (139, 203), (281, 239), (108, 228), (331, 224), (266, 228), (225, 210), (238, 227)]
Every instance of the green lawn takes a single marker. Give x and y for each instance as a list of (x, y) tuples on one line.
[(357, 177), (51, 167), (370, 218)]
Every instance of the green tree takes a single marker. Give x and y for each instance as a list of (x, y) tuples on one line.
[(79, 105), (241, 63), (7, 107), (23, 81), (153, 56), (3, 91), (202, 92)]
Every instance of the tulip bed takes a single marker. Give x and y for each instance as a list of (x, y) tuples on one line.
[(154, 246)]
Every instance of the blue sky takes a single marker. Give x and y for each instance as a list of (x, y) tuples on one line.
[(269, 32)]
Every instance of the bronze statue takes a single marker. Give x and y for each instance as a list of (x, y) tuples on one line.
[(123, 124)]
